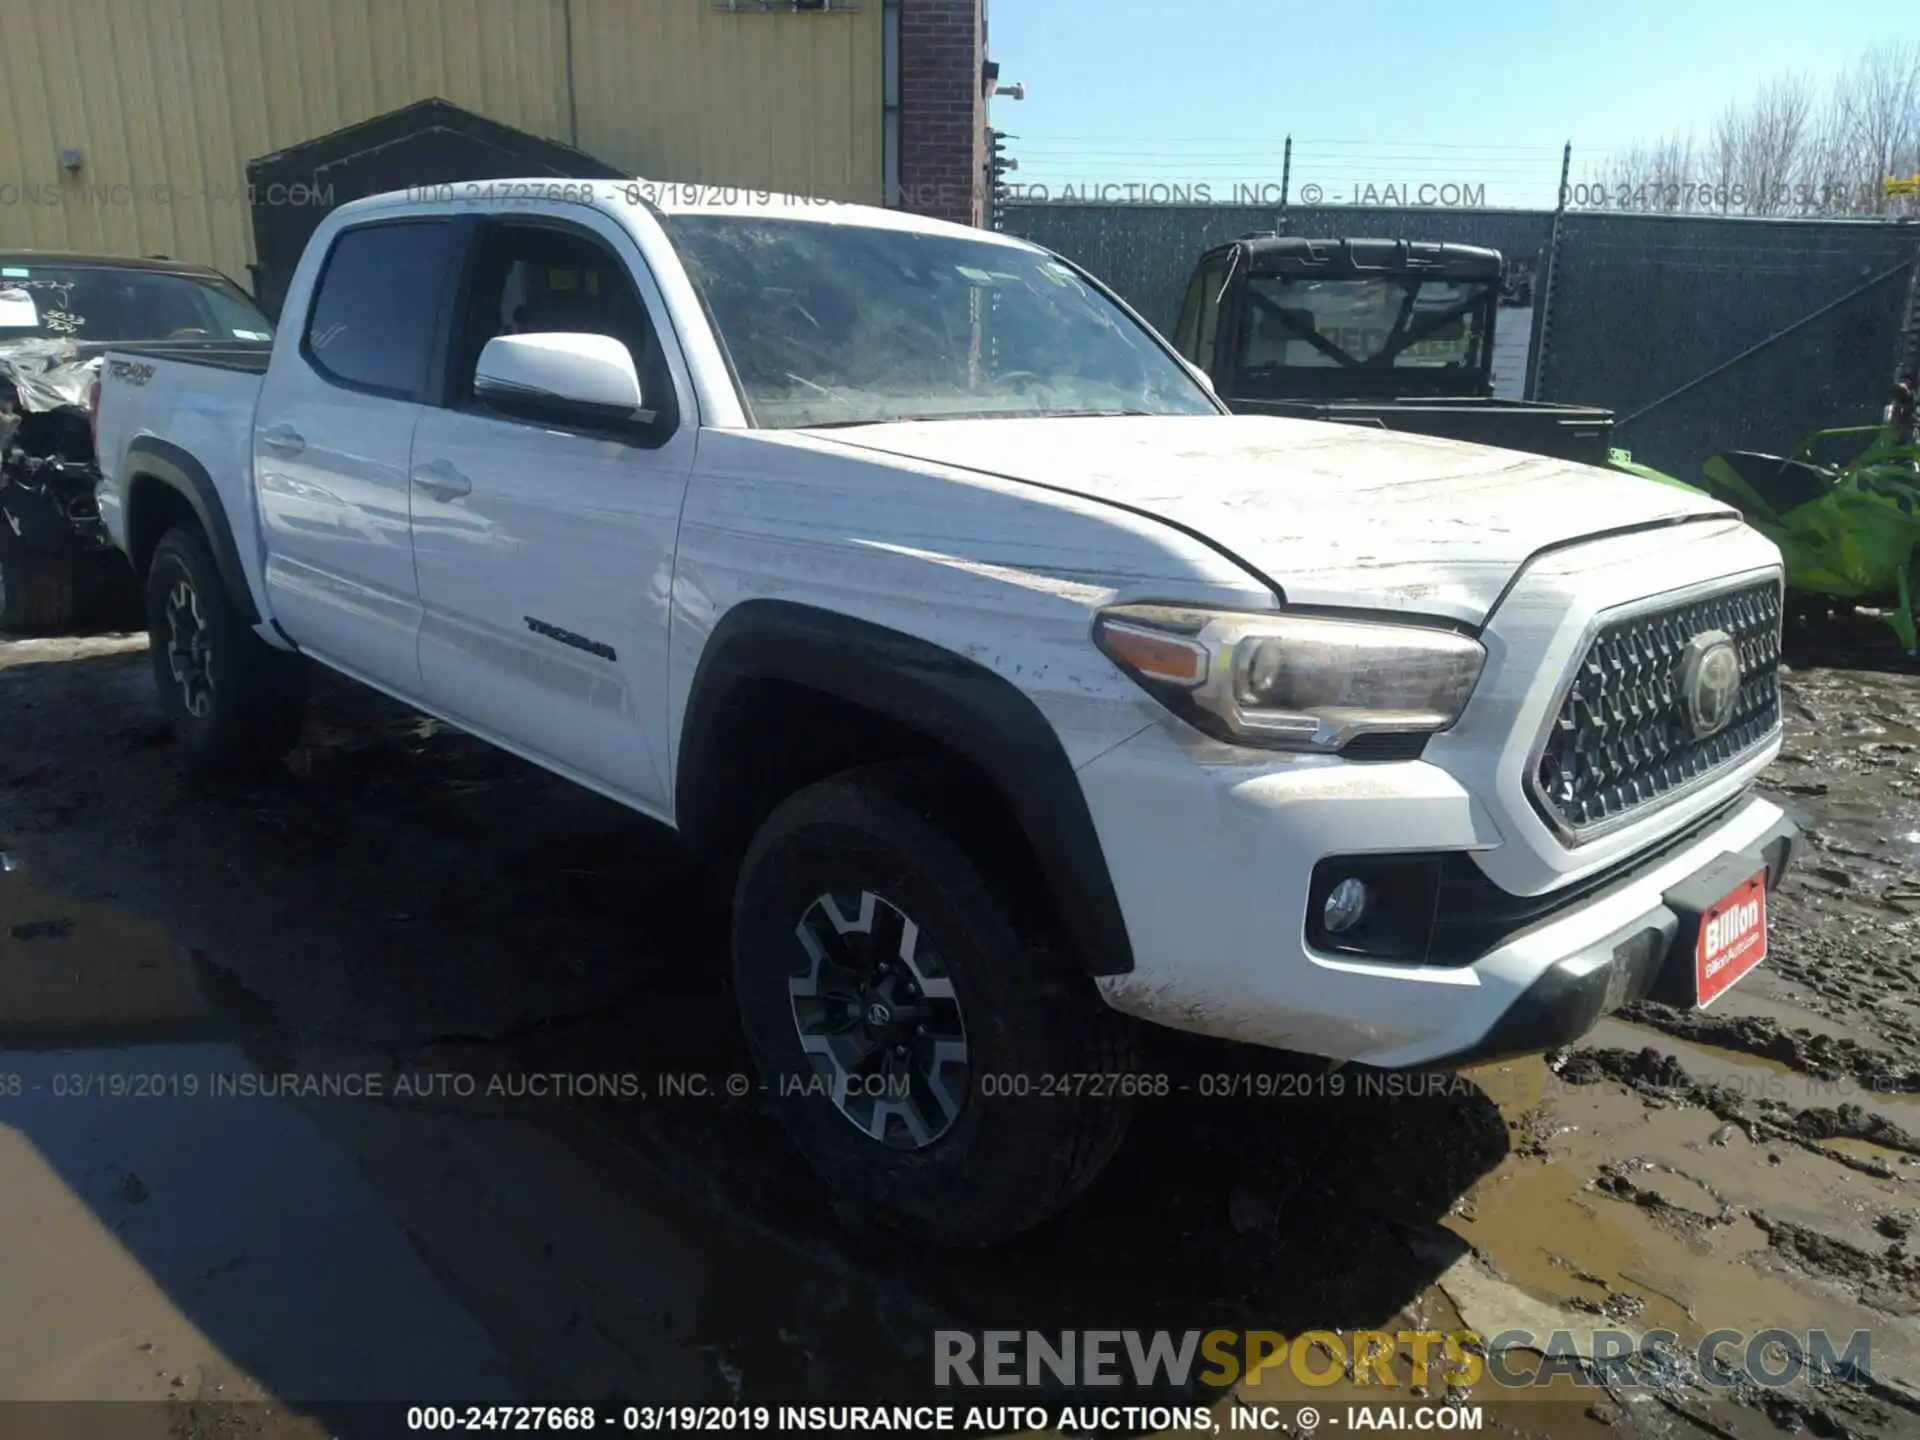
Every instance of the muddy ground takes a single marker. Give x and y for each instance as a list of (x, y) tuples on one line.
[(405, 906)]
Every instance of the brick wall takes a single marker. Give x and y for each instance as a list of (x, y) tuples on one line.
[(943, 109)]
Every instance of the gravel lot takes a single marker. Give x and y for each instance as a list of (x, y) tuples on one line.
[(404, 904)]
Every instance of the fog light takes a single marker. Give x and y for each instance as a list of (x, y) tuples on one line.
[(1346, 904)]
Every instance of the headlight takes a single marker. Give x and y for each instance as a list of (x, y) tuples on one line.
[(1293, 682)]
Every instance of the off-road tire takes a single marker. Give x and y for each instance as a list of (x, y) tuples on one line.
[(254, 697), (1034, 1023), (37, 590)]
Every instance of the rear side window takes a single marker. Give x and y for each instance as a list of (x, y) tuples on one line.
[(375, 314)]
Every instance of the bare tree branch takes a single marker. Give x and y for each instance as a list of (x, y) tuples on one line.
[(1764, 145), (1793, 148)]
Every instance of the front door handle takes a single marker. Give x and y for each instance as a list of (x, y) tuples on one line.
[(283, 439), (443, 480)]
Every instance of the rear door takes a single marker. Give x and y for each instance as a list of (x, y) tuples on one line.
[(545, 548), (332, 438)]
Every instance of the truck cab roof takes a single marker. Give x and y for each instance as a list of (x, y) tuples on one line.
[(159, 264), (1357, 258), (670, 198)]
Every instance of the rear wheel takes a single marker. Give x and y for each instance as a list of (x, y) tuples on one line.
[(235, 703), (933, 1055), (37, 590)]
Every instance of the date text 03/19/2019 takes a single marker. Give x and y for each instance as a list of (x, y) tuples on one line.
[(1317, 1085), (579, 1419), (1231, 1085), (1849, 197)]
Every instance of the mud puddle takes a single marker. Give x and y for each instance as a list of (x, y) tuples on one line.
[(206, 1207), (1785, 1082), (169, 1233), (1640, 1211)]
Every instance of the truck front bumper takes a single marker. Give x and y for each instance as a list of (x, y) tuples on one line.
[(1216, 865), (1652, 956)]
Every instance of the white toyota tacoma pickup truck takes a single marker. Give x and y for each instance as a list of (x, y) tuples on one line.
[(1021, 692)]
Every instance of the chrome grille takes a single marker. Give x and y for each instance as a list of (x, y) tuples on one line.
[(1620, 741)]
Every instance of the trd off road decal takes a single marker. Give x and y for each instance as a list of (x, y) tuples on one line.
[(567, 637)]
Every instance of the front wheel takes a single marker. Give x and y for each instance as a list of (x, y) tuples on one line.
[(235, 703), (936, 1060)]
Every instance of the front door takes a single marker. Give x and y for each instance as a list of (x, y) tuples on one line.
[(545, 550), (332, 438)]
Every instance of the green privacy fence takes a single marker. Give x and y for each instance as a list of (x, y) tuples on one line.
[(1703, 333)]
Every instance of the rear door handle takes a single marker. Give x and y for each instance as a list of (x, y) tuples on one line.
[(283, 439), (443, 480)]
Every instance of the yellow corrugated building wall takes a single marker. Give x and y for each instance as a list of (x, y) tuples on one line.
[(167, 100)]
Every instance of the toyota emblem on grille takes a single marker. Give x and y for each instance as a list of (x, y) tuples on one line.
[(1709, 682)]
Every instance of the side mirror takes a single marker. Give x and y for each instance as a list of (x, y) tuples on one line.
[(560, 373), (1201, 375)]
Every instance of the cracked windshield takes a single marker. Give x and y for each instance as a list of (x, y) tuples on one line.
[(839, 324)]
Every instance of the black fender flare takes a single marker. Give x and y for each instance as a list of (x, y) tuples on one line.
[(957, 703), (173, 467)]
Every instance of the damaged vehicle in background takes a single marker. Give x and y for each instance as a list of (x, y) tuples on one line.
[(58, 312)]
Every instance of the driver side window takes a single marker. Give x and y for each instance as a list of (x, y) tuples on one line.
[(533, 279)]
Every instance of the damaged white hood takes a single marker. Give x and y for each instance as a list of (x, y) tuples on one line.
[(1333, 514)]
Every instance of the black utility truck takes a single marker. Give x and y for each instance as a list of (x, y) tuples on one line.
[(1396, 334)]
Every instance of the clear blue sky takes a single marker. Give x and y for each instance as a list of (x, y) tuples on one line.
[(1172, 91)]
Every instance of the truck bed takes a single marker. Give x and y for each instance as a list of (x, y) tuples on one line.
[(1567, 432), (192, 399), (248, 357)]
